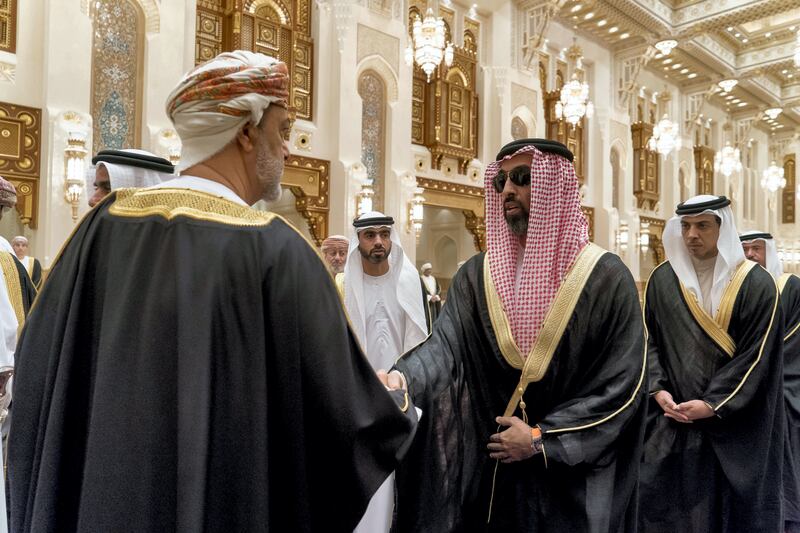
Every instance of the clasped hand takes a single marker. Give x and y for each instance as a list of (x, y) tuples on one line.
[(512, 444), (685, 412)]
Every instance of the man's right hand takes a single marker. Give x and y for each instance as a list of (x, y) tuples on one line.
[(665, 401), (393, 380)]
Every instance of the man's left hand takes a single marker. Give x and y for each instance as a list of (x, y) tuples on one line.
[(695, 409), (513, 444)]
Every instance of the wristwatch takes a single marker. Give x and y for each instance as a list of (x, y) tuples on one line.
[(536, 440)]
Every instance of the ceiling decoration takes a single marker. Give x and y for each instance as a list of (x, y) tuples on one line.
[(701, 43)]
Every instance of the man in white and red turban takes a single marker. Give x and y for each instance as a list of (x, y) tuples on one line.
[(175, 375), (531, 384), (334, 251)]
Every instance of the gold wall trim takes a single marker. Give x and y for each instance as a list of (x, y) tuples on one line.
[(20, 156), (465, 198), (308, 179)]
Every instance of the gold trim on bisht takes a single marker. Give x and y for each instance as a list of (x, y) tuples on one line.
[(717, 327), (555, 322), (11, 276), (760, 352), (170, 203)]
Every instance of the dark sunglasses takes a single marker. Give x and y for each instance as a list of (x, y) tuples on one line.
[(520, 176)]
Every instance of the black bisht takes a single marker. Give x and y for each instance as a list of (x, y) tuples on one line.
[(593, 385), (185, 374), (790, 302), (723, 473)]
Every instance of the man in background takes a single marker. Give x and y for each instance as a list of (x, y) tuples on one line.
[(334, 251), (760, 247), (120, 169), (31, 264), (385, 303), (434, 292), (714, 439)]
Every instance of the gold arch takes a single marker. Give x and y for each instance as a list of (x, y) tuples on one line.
[(277, 7), (469, 200), (456, 74)]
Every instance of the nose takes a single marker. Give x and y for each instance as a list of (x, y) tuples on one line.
[(96, 197), (285, 148), (508, 191)]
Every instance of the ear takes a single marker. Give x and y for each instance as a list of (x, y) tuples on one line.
[(246, 138)]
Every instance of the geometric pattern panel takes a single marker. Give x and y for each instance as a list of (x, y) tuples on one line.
[(20, 155), (117, 52), (372, 90)]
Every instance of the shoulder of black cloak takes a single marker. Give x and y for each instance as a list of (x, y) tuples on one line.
[(36, 275)]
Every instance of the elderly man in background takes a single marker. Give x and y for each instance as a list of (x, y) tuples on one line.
[(121, 169), (31, 264), (334, 251), (760, 247), (176, 376), (714, 439), (433, 291)]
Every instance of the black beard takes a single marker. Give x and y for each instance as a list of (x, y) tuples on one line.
[(374, 258), (518, 224)]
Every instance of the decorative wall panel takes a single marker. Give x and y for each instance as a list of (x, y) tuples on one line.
[(8, 26), (469, 200), (704, 169), (20, 153), (645, 167), (372, 90), (307, 178), (788, 193), (444, 113), (117, 62), (277, 28)]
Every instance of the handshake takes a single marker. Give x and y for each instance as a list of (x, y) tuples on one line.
[(393, 380)]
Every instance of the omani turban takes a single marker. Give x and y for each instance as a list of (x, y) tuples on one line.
[(215, 100)]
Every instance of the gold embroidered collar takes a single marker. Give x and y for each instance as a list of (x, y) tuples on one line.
[(171, 203), (717, 327), (555, 322)]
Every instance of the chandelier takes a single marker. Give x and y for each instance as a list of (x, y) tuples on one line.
[(665, 137), (728, 85), (773, 112), (666, 46), (727, 160), (773, 178), (427, 46), (797, 50), (574, 101)]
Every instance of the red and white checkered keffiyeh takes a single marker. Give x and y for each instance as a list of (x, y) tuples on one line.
[(557, 232)]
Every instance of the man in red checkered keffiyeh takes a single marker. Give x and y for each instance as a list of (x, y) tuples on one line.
[(534, 232), (531, 382)]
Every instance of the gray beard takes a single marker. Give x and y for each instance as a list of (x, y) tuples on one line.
[(269, 172)]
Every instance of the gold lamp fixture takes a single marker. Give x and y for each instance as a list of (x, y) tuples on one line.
[(74, 170)]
